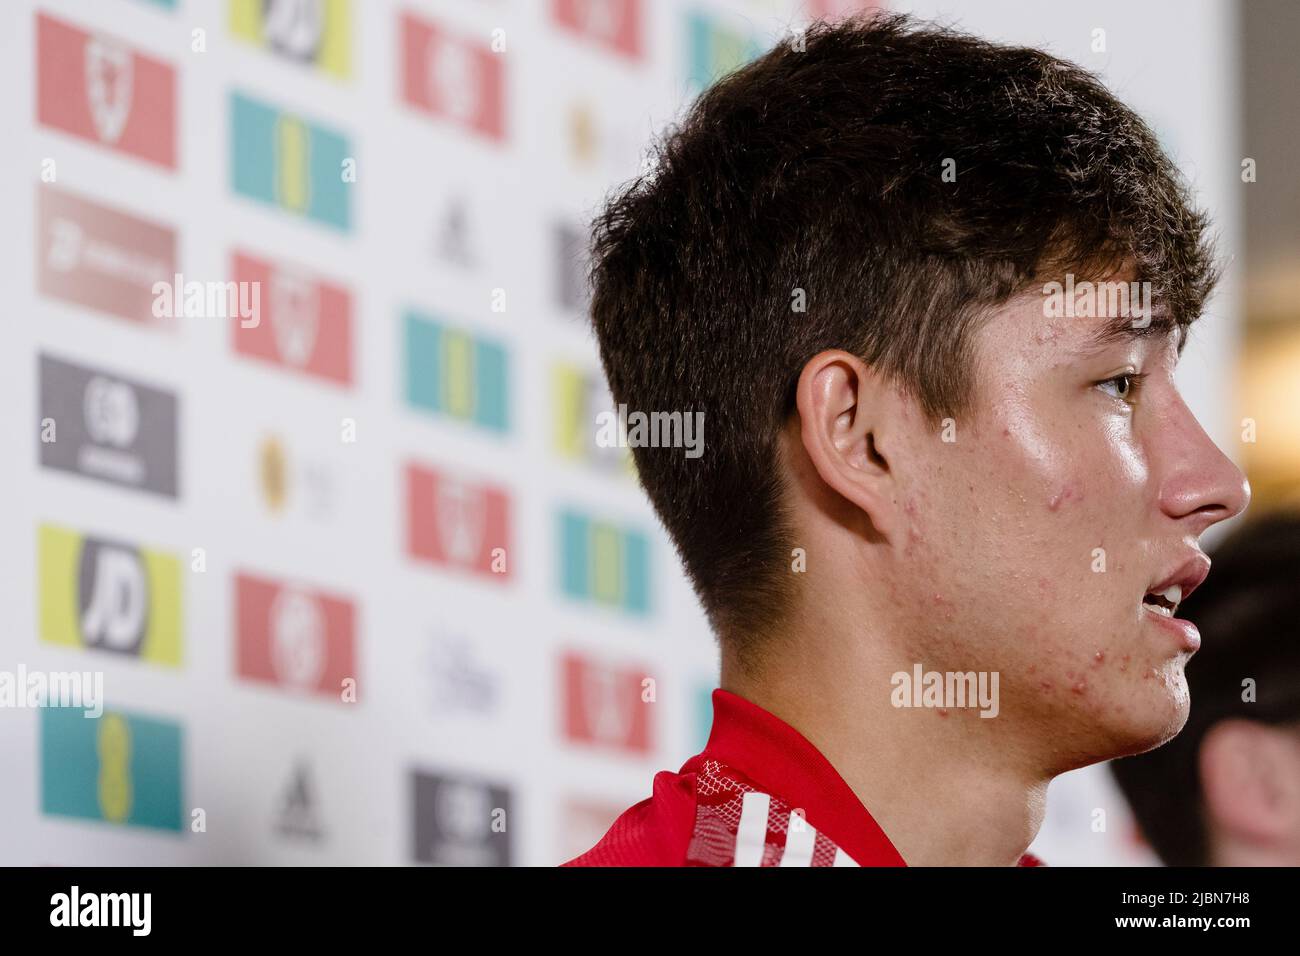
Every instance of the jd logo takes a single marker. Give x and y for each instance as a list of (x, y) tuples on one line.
[(294, 27), (112, 597), (297, 639), (112, 412), (295, 316), (109, 87)]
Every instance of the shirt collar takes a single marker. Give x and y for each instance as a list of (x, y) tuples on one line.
[(775, 756)]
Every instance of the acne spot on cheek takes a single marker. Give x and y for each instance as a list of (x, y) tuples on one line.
[(1098, 658), (1079, 687), (1068, 493), (942, 712), (1123, 662)]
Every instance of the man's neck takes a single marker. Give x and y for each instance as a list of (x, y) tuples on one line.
[(946, 787)]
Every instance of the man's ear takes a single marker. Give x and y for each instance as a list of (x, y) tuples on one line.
[(1248, 778), (847, 413)]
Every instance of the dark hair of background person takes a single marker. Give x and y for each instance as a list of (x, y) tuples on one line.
[(819, 172), (1248, 612)]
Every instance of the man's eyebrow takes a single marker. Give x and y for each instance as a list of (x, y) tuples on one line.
[(1125, 329)]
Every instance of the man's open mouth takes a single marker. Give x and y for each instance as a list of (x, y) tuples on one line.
[(1164, 602), (1163, 599)]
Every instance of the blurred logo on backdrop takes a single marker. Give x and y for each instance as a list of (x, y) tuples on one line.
[(286, 161), (570, 272), (603, 706), (100, 258), (109, 596), (306, 321), (455, 78), (457, 523), (454, 373), (98, 89), (314, 32), (123, 768), (613, 24), (453, 235), (306, 488), (714, 48), (297, 816), (603, 563), (297, 638), (459, 681), (578, 397), (107, 427), (460, 821), (837, 9)]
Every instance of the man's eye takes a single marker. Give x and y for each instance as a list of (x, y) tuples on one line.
[(1123, 386)]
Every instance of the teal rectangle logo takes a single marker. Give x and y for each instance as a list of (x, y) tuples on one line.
[(714, 49), (285, 161), (603, 563), (454, 373), (120, 768)]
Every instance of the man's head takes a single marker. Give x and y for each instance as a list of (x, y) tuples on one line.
[(1226, 791), (841, 260)]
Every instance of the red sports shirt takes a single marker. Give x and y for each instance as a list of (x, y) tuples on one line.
[(735, 804)]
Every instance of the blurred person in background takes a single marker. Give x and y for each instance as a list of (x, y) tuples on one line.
[(1226, 791)]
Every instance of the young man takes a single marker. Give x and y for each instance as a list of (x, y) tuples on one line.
[(947, 502), (1226, 791)]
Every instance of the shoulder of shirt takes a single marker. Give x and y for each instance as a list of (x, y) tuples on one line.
[(654, 832)]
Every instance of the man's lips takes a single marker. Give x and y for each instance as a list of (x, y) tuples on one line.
[(1177, 585), (1161, 602)]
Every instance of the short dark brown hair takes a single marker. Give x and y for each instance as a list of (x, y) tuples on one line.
[(821, 169)]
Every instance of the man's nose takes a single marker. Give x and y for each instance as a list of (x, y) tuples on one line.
[(1201, 485)]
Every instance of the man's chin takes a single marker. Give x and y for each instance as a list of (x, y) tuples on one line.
[(1130, 720), (1153, 714)]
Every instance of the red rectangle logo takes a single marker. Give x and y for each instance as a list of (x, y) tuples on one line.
[(451, 77), (305, 322), (457, 523), (99, 89), (295, 637), (603, 704), (614, 24), (101, 258)]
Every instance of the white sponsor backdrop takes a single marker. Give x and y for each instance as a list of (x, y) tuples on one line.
[(458, 675)]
